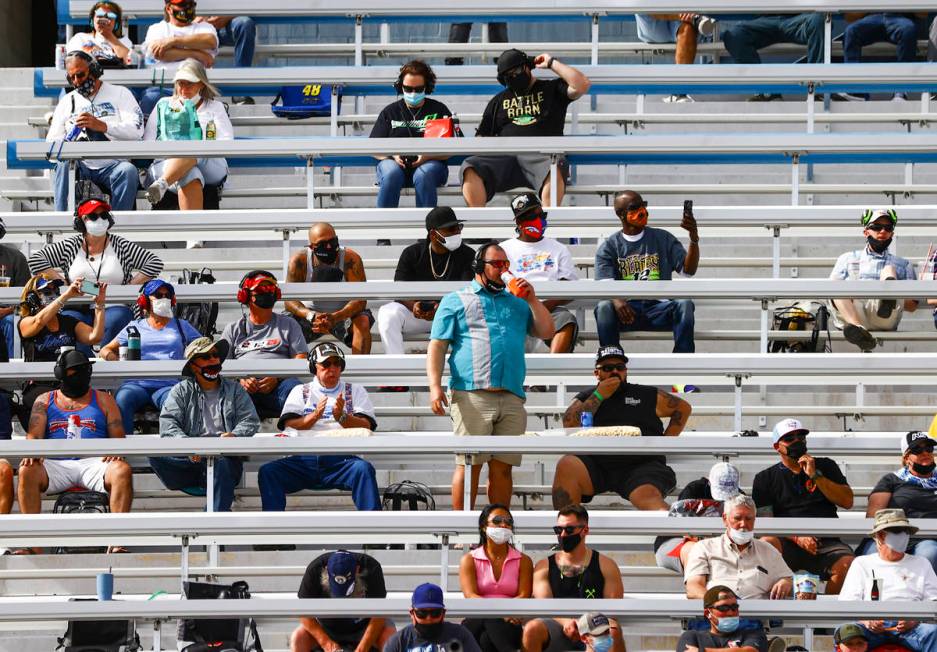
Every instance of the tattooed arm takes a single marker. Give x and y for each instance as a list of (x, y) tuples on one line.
[(605, 388), (354, 271), (37, 425), (677, 409)]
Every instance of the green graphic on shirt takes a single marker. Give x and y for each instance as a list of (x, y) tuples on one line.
[(640, 267), (524, 110), (419, 125)]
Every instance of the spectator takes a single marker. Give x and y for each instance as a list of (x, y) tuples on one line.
[(743, 40), (406, 118), (538, 258), (893, 574), (527, 107), (6, 488), (802, 486), (342, 574), (239, 32), (850, 638), (752, 568), (932, 42), (45, 329), (496, 569), (442, 256), (642, 479), (459, 33), (97, 254), (856, 317), (75, 411), (14, 272), (98, 111), (177, 37), (486, 326), (163, 336), (105, 42), (726, 630), (263, 335), (206, 119), (701, 497), (327, 403), (910, 488), (325, 261), (642, 253), (203, 404), (574, 571), (594, 632), (865, 29), (429, 629), (683, 29)]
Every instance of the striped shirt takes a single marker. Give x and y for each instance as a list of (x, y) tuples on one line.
[(131, 256), (869, 265), (487, 332)]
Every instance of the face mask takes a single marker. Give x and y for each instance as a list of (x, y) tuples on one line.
[(413, 99), (210, 372), (519, 82), (326, 251), (97, 227), (602, 643), (184, 14), (897, 541), (499, 534), (741, 537), (728, 624), (637, 217), (79, 383), (493, 286), (451, 242), (265, 300), (86, 87), (878, 246), (797, 449), (161, 307), (569, 542), (534, 228), (429, 631), (923, 469)]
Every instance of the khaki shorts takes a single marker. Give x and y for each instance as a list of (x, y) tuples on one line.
[(866, 310), (488, 413)]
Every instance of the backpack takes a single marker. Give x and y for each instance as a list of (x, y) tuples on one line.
[(306, 101), (75, 501), (202, 315), (99, 635), (177, 122), (218, 634), (408, 496), (802, 316)]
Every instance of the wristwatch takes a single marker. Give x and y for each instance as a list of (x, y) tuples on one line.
[(311, 316), (341, 419)]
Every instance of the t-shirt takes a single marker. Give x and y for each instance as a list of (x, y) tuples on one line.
[(96, 45), (652, 258), (539, 111), (397, 120), (911, 578), (281, 337), (369, 583), (630, 405), (212, 417), (303, 400), (545, 260), (453, 637), (165, 29), (916, 501), (45, 346), (166, 343), (13, 266), (414, 264), (791, 495), (704, 640)]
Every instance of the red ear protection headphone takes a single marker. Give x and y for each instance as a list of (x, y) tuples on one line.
[(143, 299), (250, 281)]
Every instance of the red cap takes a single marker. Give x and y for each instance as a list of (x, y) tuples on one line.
[(91, 205), (179, 2)]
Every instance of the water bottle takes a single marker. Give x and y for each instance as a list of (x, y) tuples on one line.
[(60, 56), (585, 419), (210, 130), (133, 343), (74, 427), (513, 286)]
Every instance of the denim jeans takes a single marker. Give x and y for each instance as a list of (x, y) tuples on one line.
[(269, 405), (132, 397), (119, 179), (6, 332), (151, 95), (424, 179), (6, 416), (922, 638), (926, 548), (241, 32), (874, 28), (745, 39), (115, 318), (675, 315), (297, 472), (181, 473)]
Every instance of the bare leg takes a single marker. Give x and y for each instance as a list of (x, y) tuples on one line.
[(500, 483), (458, 490), (6, 487), (562, 342), (302, 641), (535, 636), (560, 190), (571, 482), (473, 189), (176, 168), (118, 480), (33, 481), (686, 44), (190, 196), (847, 311), (647, 497), (838, 575), (360, 335)]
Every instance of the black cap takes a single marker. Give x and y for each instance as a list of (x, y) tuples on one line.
[(441, 217), (610, 352), (511, 59), (524, 203), (73, 358)]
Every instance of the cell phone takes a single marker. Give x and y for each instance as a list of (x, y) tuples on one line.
[(688, 206), (90, 288)]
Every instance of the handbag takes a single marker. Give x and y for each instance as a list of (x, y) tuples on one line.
[(441, 128), (305, 101), (177, 122)]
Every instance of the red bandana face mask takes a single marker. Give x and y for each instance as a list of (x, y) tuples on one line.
[(535, 228)]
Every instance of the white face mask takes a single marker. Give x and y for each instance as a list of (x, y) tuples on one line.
[(499, 534), (161, 307), (897, 541), (741, 537), (97, 227), (452, 242)]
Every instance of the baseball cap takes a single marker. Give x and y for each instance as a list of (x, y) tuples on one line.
[(184, 73), (848, 631), (724, 481), (909, 439), (711, 596), (201, 345), (611, 351), (441, 217), (592, 623), (42, 283), (526, 202), (326, 350), (785, 427), (892, 519), (872, 214), (427, 596), (72, 358), (511, 59), (342, 568), (92, 204), (153, 286)]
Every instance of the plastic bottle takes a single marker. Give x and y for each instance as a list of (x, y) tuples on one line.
[(585, 419), (133, 343), (513, 285), (74, 427), (210, 130)]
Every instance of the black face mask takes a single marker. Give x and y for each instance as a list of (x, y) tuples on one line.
[(569, 542), (326, 251), (77, 384), (923, 469), (797, 450), (86, 87), (429, 631), (265, 300), (878, 246), (185, 14), (519, 82)]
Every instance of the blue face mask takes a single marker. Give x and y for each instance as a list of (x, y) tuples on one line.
[(412, 99), (602, 643), (728, 624)]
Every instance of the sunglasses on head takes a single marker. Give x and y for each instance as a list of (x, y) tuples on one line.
[(881, 227), (500, 264), (725, 608), (329, 363), (607, 368), (413, 89), (566, 529), (427, 613), (103, 13), (503, 520)]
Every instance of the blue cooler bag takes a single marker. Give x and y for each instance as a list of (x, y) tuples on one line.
[(306, 101)]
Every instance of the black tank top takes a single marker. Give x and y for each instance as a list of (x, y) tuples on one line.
[(591, 584)]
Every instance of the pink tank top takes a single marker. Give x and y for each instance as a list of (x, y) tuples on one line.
[(509, 582)]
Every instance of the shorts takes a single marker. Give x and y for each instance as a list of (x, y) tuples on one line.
[(87, 472), (656, 30), (341, 331), (558, 640), (668, 555), (488, 413), (562, 317), (210, 171), (610, 473), (349, 637), (829, 551), (501, 173), (866, 310)]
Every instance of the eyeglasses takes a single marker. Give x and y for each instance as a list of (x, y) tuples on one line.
[(881, 227), (503, 520), (566, 529), (725, 608), (608, 368), (500, 264), (329, 363), (413, 89), (427, 613), (102, 13)]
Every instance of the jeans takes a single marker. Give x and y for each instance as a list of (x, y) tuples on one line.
[(675, 315), (424, 179), (291, 474), (151, 95), (922, 638), (115, 318), (6, 416), (6, 332), (899, 29), (745, 39), (181, 473), (926, 548), (271, 405), (459, 33), (120, 179), (241, 32), (132, 397)]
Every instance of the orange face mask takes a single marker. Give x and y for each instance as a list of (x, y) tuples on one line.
[(637, 217)]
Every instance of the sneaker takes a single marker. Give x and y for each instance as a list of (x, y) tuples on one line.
[(246, 99), (156, 191), (777, 644), (886, 306), (900, 97), (859, 336), (765, 97), (194, 244), (848, 97), (704, 25), (392, 389), (678, 99)]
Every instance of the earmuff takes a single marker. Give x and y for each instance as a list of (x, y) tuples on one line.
[(312, 358), (94, 68), (58, 370), (478, 265), (143, 299), (429, 78), (245, 288), (79, 224)]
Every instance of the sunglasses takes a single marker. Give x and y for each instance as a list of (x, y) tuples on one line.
[(607, 368), (502, 520), (427, 613), (917, 450), (101, 13), (725, 608), (790, 439), (500, 264), (328, 364), (98, 216), (79, 76), (162, 294), (881, 227), (636, 206), (413, 89), (211, 355), (566, 529)]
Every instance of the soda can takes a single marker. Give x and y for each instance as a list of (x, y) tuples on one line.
[(60, 56), (74, 133), (585, 419)]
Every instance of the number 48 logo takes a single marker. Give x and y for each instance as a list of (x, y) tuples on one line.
[(312, 89)]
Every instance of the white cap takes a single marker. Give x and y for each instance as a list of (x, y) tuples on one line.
[(185, 73), (786, 427), (724, 481)]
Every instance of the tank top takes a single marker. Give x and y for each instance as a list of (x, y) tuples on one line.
[(631, 405), (326, 274), (44, 347), (92, 420), (590, 584), (505, 586)]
